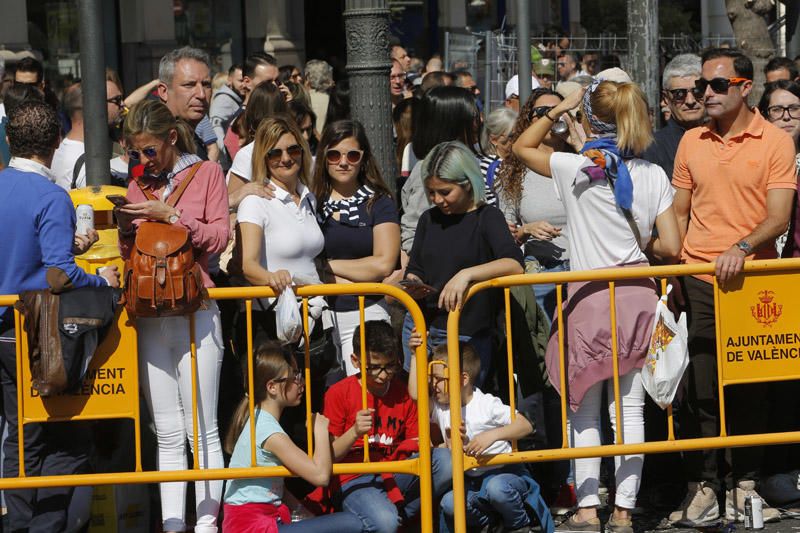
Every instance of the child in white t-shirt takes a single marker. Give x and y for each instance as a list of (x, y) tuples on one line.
[(494, 494)]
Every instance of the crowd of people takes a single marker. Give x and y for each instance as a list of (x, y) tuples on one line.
[(278, 186)]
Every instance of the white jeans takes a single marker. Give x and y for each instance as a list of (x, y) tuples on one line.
[(344, 325), (166, 375), (585, 431)]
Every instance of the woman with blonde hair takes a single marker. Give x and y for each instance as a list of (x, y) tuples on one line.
[(612, 199), (165, 147), (278, 237)]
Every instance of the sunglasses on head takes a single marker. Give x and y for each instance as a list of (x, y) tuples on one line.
[(117, 100), (353, 156), (540, 111), (679, 95), (718, 85), (275, 155), (150, 152)]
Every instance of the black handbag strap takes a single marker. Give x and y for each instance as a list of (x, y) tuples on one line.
[(629, 218), (76, 170)]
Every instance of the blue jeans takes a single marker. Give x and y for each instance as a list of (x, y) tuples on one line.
[(503, 502), (546, 292), (329, 523), (365, 496), (481, 341)]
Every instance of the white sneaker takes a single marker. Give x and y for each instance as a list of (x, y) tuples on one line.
[(699, 507), (734, 503)]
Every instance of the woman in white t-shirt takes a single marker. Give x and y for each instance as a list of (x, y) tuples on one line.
[(612, 200), (279, 237)]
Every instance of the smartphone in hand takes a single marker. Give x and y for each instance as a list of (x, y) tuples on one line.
[(117, 199), (417, 289)]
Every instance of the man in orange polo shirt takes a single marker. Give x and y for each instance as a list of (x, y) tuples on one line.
[(734, 183)]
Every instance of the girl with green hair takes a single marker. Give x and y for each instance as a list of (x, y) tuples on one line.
[(458, 242)]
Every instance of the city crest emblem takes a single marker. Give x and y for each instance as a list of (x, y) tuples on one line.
[(767, 311)]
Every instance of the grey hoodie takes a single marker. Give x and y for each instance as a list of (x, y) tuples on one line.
[(224, 105)]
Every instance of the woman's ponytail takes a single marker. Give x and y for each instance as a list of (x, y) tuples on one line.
[(634, 130), (624, 105)]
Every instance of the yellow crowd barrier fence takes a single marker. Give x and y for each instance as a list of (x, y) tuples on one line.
[(759, 306), (116, 360)]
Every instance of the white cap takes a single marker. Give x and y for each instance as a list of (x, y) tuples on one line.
[(614, 74), (512, 87)]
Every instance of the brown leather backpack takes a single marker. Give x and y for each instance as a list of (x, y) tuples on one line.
[(162, 277)]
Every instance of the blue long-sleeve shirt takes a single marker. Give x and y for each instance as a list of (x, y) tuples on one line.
[(37, 227)]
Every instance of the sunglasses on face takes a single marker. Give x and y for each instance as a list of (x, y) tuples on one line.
[(352, 156), (679, 95), (777, 112), (275, 155), (297, 377), (718, 85), (150, 152), (116, 100)]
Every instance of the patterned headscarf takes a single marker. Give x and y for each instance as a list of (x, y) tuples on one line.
[(597, 125)]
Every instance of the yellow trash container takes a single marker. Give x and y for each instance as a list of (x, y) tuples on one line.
[(104, 252)]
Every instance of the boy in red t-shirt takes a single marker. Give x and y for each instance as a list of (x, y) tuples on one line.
[(382, 501)]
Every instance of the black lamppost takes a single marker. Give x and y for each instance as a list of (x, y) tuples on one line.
[(368, 66), (93, 86)]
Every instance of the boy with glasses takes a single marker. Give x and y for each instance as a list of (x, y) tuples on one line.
[(734, 182), (384, 502), (499, 495)]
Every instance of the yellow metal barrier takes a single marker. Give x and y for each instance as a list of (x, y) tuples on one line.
[(420, 466), (746, 312)]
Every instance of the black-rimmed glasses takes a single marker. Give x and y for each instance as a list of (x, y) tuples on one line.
[(777, 112), (389, 370)]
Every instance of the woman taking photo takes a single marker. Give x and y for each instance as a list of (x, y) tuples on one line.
[(360, 223), (612, 200), (279, 237), (458, 242), (166, 149), (530, 204)]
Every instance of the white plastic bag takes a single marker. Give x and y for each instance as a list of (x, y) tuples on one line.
[(668, 355), (288, 322)]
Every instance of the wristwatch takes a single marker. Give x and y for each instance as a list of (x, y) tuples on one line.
[(175, 217), (745, 247)]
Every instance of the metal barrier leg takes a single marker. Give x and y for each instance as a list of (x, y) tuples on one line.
[(195, 421)]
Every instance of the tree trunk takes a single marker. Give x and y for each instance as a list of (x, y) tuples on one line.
[(752, 37)]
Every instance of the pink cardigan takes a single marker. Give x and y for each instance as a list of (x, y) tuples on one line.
[(588, 333), (204, 212)]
